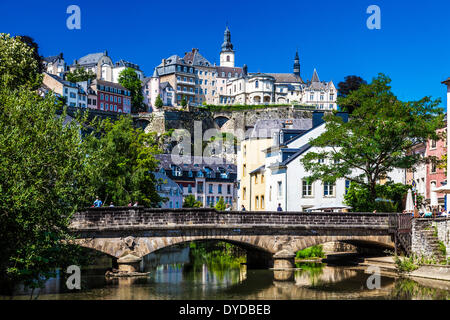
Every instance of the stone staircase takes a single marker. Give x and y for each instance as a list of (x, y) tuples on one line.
[(429, 242)]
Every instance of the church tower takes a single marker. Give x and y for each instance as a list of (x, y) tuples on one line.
[(227, 53), (297, 65)]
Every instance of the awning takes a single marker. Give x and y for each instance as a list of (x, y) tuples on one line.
[(443, 189), (329, 207)]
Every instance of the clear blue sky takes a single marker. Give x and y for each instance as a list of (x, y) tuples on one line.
[(412, 46)]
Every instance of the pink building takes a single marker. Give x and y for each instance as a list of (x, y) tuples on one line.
[(436, 176)]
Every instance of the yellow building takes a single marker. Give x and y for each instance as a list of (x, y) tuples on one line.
[(251, 157), (251, 173)]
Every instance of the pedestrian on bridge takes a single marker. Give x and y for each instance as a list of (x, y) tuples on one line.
[(279, 207), (98, 203)]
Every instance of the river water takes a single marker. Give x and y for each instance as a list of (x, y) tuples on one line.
[(173, 276)]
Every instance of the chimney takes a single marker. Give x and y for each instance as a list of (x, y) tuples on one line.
[(317, 118)]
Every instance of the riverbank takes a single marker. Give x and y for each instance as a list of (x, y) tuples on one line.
[(388, 267)]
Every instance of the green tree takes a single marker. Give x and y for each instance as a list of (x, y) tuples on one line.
[(350, 84), (375, 140), (220, 205), (130, 80), (19, 66), (158, 102), (80, 75), (43, 181), (191, 202), (121, 160), (31, 43), (183, 101), (390, 197)]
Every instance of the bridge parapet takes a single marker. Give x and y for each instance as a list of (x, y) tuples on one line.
[(139, 217)]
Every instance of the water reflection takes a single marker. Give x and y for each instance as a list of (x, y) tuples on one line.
[(180, 278)]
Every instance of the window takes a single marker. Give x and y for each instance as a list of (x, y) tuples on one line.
[(190, 174), (189, 188), (228, 189), (347, 186), (280, 189), (270, 193), (256, 84), (306, 189), (106, 97), (176, 171), (244, 170), (433, 167), (210, 188), (219, 189), (228, 58), (244, 193), (433, 144), (262, 202), (256, 202), (262, 178), (328, 189)]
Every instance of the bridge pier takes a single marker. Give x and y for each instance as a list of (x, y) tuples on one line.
[(259, 259), (129, 263), (284, 260)]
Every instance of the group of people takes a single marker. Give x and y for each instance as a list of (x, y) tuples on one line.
[(278, 209), (428, 213), (98, 203)]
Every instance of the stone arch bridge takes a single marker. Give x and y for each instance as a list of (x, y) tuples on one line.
[(271, 239)]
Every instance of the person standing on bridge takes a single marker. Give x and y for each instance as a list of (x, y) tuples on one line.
[(98, 203), (243, 208), (279, 207)]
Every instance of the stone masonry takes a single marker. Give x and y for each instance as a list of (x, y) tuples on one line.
[(270, 238)]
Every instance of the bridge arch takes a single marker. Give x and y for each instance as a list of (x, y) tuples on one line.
[(253, 244)]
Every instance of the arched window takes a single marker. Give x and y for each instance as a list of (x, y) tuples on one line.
[(256, 84), (228, 58)]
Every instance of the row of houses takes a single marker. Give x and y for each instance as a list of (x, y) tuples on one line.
[(271, 174), (196, 80)]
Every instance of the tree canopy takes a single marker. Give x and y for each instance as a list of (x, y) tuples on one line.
[(130, 80), (80, 75), (49, 170), (350, 84), (18, 64), (376, 139), (191, 202), (220, 205), (121, 161)]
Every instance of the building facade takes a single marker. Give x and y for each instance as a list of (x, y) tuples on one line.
[(170, 191), (98, 63), (207, 179), (55, 65), (111, 96), (73, 93)]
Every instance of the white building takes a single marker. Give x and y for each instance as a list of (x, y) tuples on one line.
[(122, 65), (169, 190), (74, 94), (286, 177), (55, 65)]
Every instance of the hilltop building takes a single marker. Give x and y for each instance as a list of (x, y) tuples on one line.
[(202, 82)]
